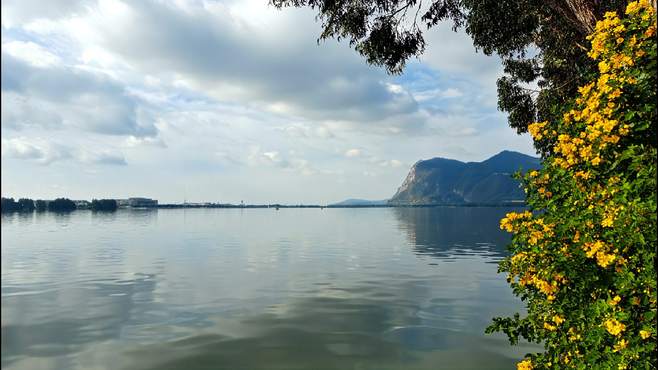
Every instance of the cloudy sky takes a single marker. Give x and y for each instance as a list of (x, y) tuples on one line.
[(226, 101)]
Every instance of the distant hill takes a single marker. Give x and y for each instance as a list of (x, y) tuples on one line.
[(360, 202), (441, 180)]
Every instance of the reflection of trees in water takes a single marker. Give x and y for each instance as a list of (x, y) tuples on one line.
[(446, 231), (93, 313), (136, 216), (18, 217)]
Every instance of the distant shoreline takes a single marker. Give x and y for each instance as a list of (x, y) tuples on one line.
[(503, 204), (267, 206)]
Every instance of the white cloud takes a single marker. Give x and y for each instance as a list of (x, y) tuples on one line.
[(220, 51), (272, 156), (69, 97), (45, 152), (38, 150), (135, 141), (448, 93), (453, 53), (395, 88), (103, 158), (394, 163), (464, 131), (318, 131), (352, 153), (257, 157), (32, 53), (213, 95), (451, 93), (17, 12)]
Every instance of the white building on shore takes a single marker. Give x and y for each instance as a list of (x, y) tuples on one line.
[(137, 203)]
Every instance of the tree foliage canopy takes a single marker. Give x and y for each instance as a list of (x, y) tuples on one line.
[(61, 205), (541, 42), (40, 205), (23, 205), (104, 205)]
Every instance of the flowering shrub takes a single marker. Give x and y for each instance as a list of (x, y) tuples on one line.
[(584, 258)]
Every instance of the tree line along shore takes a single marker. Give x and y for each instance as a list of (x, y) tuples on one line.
[(10, 205), (56, 205)]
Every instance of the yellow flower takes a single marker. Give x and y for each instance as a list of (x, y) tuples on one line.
[(603, 80), (573, 336), (609, 125), (537, 129), (584, 90), (591, 248), (550, 327), (604, 259), (558, 319), (608, 220), (615, 94), (507, 223), (518, 257), (615, 300), (524, 365), (614, 327), (525, 280), (633, 7), (621, 344), (603, 67), (645, 334)]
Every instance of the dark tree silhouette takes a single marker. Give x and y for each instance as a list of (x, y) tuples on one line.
[(61, 205), (26, 205), (9, 205), (40, 205), (104, 205)]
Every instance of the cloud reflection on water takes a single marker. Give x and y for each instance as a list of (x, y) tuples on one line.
[(332, 289)]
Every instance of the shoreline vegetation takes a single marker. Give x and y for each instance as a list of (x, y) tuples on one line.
[(25, 205)]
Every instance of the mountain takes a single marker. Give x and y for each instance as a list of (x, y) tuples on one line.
[(359, 202), (441, 180)]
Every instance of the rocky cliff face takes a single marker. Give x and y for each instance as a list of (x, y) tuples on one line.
[(441, 180)]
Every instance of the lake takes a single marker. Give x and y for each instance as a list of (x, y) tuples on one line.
[(368, 288)]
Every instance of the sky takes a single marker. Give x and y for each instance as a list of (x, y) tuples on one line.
[(227, 101)]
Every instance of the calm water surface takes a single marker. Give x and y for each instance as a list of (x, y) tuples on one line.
[(255, 289)]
